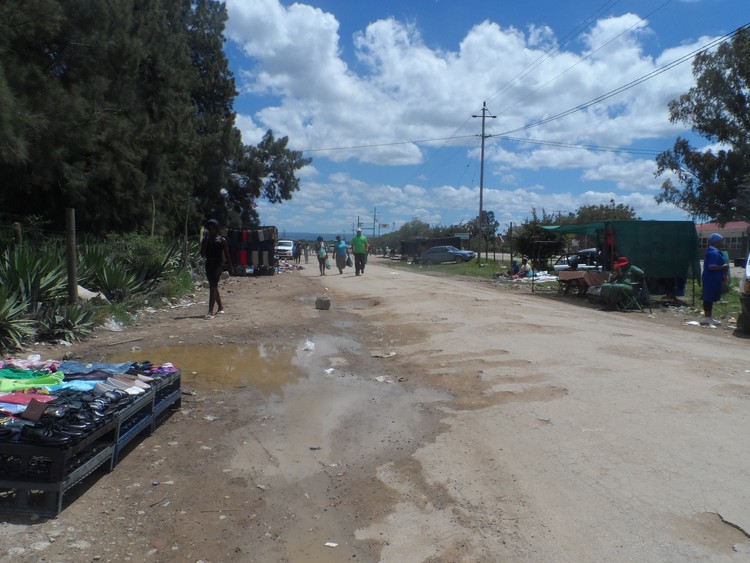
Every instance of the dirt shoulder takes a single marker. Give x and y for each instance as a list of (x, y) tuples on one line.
[(421, 418)]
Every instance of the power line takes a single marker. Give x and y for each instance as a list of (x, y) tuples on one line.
[(575, 32), (644, 152), (580, 107), (579, 61), (627, 86)]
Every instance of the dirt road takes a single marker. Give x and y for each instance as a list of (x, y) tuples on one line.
[(421, 418)]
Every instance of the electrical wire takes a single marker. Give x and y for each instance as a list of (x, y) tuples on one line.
[(626, 86)]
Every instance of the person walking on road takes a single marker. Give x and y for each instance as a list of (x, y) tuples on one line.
[(359, 247), (714, 270), (322, 254), (215, 250), (342, 253)]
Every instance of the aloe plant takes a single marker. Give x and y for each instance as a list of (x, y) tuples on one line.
[(116, 282), (36, 275), (15, 326), (91, 260), (66, 322)]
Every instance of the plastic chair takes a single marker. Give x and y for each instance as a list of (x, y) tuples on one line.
[(636, 301)]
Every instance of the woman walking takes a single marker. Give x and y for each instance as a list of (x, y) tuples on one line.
[(342, 253), (322, 254), (215, 250)]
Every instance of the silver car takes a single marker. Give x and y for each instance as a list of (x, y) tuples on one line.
[(439, 254)]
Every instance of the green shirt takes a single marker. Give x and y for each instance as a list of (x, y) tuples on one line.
[(359, 244)]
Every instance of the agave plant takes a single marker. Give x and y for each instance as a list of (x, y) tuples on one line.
[(116, 282), (91, 260), (15, 327), (65, 322), (36, 275)]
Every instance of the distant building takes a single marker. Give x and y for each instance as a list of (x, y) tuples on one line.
[(736, 237)]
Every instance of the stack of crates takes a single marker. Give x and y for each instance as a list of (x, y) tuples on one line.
[(34, 478)]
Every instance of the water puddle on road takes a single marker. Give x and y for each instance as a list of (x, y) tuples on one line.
[(211, 366)]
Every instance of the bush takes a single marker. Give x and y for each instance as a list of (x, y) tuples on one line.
[(66, 322), (146, 256), (37, 275), (15, 327)]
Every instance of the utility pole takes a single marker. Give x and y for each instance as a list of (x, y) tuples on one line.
[(485, 114), (374, 219)]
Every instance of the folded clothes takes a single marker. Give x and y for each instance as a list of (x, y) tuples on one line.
[(44, 380), (21, 398), (72, 367), (30, 364), (20, 373)]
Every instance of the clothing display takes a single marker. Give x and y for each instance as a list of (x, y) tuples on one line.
[(56, 429)]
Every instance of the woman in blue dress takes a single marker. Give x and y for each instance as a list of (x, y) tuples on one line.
[(714, 268)]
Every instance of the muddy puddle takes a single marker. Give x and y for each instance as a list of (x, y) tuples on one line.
[(267, 368)]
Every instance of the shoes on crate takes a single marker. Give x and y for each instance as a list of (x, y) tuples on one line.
[(55, 411), (44, 435), (132, 380), (126, 386), (101, 387)]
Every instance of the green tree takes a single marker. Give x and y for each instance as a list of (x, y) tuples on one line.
[(219, 145), (530, 239), (713, 183), (123, 109), (264, 171), (601, 212)]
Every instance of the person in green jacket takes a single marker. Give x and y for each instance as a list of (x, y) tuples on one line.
[(625, 282), (359, 248)]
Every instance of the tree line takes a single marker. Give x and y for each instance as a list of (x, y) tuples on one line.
[(123, 110)]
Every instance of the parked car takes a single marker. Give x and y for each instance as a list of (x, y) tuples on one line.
[(587, 259), (743, 323), (284, 248), (438, 254)]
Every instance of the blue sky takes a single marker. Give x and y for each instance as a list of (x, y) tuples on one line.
[(381, 96)]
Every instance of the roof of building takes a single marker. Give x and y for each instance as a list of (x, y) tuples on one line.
[(715, 227)]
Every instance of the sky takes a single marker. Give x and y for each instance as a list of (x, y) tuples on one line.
[(387, 100)]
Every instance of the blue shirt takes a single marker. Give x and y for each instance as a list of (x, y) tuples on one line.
[(713, 280)]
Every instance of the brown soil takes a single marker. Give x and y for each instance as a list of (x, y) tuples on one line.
[(435, 419)]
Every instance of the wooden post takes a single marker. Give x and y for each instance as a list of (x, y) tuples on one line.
[(70, 240)]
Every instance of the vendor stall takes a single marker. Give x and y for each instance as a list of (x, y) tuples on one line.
[(667, 251), (64, 420)]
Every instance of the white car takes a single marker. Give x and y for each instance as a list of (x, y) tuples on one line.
[(284, 248), (587, 259)]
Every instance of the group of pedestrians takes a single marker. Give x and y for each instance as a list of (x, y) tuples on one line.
[(215, 251), (341, 254)]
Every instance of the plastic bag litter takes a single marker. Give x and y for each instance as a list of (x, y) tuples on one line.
[(113, 325), (309, 345)]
